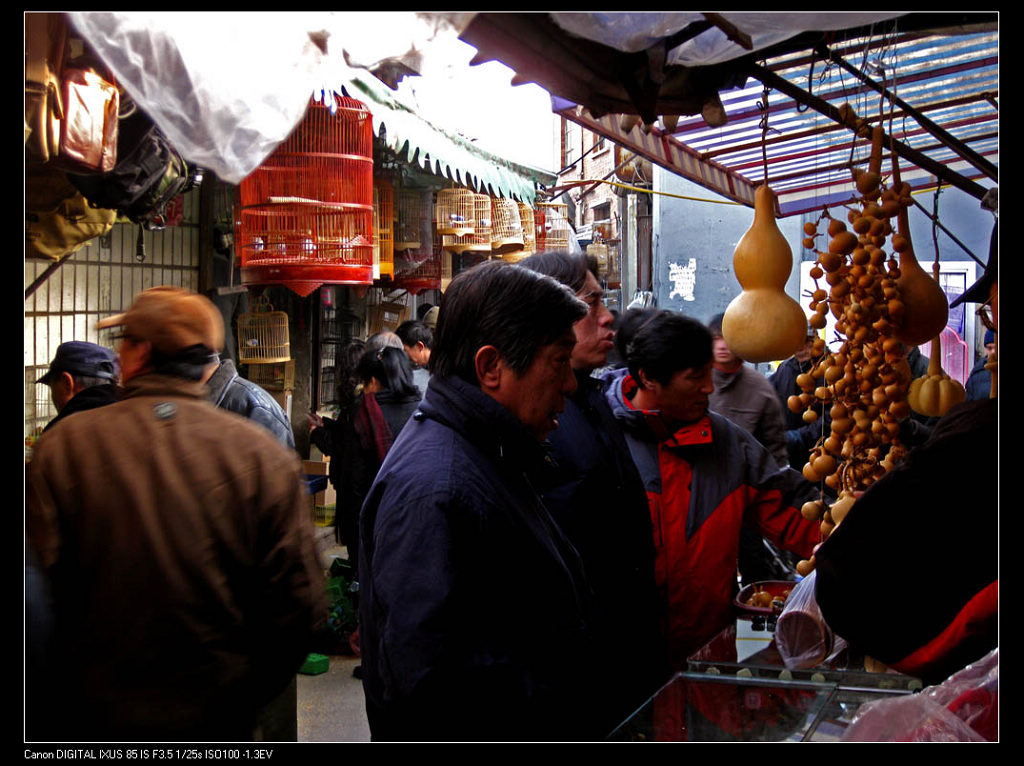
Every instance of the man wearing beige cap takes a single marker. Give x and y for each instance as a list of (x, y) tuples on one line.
[(186, 582)]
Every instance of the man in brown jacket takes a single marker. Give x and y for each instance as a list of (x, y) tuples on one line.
[(185, 578)]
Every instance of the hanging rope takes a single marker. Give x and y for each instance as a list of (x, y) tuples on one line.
[(763, 106)]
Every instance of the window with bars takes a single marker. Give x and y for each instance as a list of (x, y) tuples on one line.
[(99, 280)]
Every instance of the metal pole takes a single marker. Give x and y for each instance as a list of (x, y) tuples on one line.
[(950, 141), (937, 169)]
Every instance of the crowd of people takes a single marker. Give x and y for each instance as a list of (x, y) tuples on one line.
[(547, 510)]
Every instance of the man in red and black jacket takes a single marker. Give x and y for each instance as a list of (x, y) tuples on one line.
[(705, 478)]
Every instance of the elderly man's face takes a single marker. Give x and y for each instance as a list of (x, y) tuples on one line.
[(538, 395)]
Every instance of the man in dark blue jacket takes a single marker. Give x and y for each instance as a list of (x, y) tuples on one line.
[(599, 501), (82, 376), (474, 607)]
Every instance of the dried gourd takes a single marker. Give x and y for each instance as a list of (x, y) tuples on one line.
[(763, 323), (864, 382), (933, 394)]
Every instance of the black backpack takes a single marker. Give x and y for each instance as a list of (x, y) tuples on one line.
[(149, 173)]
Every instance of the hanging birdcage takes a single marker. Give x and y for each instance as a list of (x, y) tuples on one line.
[(552, 225), (412, 211), (479, 239), (417, 260), (600, 253), (263, 335), (506, 226), (383, 229), (455, 211), (529, 227), (305, 215)]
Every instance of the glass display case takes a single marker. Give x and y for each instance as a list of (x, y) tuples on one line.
[(738, 689)]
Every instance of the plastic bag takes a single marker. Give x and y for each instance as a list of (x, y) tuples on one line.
[(963, 708), (803, 638), (225, 88)]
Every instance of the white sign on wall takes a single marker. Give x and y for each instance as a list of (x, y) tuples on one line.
[(683, 278)]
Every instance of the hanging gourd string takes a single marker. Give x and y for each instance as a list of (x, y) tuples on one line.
[(763, 106)]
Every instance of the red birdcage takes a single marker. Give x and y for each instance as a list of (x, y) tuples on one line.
[(305, 214)]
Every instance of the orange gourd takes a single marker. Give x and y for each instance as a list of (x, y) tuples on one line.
[(763, 323), (933, 394)]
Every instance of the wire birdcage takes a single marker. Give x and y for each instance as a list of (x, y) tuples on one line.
[(383, 228), (506, 226), (552, 225), (305, 215), (455, 211), (417, 259), (479, 239), (263, 335), (412, 212)]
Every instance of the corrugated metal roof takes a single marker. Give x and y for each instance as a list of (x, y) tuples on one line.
[(943, 122), (951, 80)]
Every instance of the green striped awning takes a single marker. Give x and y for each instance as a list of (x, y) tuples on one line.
[(419, 142)]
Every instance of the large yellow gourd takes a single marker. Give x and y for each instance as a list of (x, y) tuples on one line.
[(763, 323)]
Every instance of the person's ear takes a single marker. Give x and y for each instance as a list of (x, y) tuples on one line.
[(646, 383), (489, 367)]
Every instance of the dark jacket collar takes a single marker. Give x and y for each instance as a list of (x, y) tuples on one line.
[(483, 421), (87, 399)]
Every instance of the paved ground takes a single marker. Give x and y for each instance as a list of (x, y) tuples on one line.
[(330, 705)]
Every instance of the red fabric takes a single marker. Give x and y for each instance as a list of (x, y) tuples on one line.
[(977, 613), (372, 427)]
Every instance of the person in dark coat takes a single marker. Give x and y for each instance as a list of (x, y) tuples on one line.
[(82, 376), (474, 607), (598, 500), (979, 382), (358, 441)]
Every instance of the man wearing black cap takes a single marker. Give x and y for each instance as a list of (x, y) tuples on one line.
[(930, 528), (178, 543), (82, 376)]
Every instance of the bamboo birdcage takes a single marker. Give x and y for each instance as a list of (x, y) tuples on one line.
[(383, 228), (552, 225), (479, 239), (263, 335), (600, 253), (529, 226), (506, 226), (305, 215), (455, 212)]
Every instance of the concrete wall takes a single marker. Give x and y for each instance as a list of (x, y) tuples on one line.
[(693, 247), (694, 242)]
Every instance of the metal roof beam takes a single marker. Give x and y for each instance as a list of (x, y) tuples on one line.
[(949, 140), (772, 80)]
